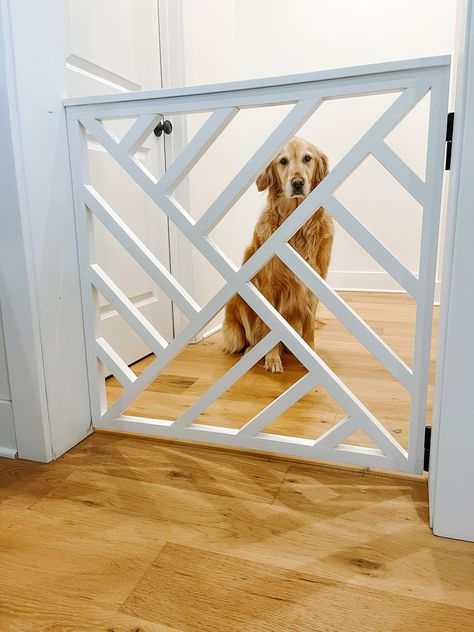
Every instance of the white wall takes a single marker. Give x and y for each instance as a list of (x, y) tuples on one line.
[(245, 39)]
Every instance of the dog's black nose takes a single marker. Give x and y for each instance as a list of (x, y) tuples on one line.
[(297, 183)]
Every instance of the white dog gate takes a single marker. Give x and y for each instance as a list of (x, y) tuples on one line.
[(413, 80)]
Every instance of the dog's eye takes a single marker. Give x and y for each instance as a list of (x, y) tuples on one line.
[(307, 158), (283, 161)]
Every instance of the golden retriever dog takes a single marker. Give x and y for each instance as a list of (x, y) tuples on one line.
[(295, 171)]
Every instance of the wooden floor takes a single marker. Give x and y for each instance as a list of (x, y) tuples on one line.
[(128, 535), (392, 316)]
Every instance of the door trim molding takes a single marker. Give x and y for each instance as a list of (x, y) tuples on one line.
[(17, 287), (170, 27), (40, 295), (451, 479)]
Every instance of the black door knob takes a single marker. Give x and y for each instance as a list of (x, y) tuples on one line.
[(164, 126)]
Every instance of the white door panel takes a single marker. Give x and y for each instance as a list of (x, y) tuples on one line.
[(115, 48), (120, 36)]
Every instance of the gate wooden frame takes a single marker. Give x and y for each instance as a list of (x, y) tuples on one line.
[(413, 79)]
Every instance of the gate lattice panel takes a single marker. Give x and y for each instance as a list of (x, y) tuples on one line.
[(413, 79)]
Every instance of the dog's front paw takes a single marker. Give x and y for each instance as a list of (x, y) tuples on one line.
[(273, 364)]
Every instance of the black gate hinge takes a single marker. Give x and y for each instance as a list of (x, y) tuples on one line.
[(426, 460), (449, 140)]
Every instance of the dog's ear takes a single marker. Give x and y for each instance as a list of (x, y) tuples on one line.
[(321, 169), (266, 178)]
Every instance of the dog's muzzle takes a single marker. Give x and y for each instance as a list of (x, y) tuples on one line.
[(297, 186)]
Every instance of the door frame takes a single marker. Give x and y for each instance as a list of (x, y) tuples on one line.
[(173, 74), (39, 289), (451, 477)]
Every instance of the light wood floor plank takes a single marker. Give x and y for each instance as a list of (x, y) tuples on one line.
[(349, 526), (264, 598)]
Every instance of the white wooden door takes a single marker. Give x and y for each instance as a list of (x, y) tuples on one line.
[(115, 48)]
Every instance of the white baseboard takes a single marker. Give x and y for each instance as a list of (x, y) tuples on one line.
[(7, 431), (203, 335), (8, 453), (364, 281)]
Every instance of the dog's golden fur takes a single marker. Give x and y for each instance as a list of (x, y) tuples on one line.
[(296, 170)]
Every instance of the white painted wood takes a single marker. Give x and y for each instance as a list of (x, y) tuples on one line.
[(414, 84), (336, 435), (34, 167), (246, 176), (86, 253), (451, 477), (279, 405), (401, 171), (153, 339), (218, 388), (7, 427), (124, 51), (302, 448), (4, 379), (139, 132), (111, 359), (346, 315), (8, 443), (173, 74), (196, 148), (150, 263), (114, 43), (428, 260), (272, 82), (371, 244), (360, 280), (9, 453), (248, 98), (326, 377)]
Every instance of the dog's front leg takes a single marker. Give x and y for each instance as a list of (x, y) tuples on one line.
[(273, 361)]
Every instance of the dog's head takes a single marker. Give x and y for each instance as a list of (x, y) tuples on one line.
[(295, 171)]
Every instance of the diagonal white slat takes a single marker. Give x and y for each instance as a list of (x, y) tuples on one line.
[(137, 249), (139, 132), (225, 382), (174, 347), (292, 122), (114, 295), (336, 435), (400, 171), (145, 180), (111, 359), (196, 148), (279, 405), (328, 379), (346, 315), (372, 245)]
